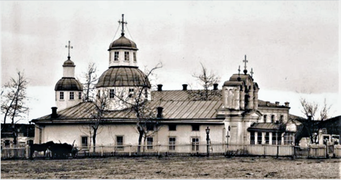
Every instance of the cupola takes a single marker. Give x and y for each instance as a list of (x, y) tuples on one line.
[(68, 90)]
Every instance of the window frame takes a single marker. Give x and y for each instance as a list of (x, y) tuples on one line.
[(150, 143), (79, 95), (195, 144), (171, 127), (84, 142), (116, 55), (195, 127), (72, 95), (171, 144), (259, 137), (126, 55), (61, 95), (119, 144), (267, 138), (134, 56), (112, 93)]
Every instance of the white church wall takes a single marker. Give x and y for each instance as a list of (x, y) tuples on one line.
[(66, 101), (69, 72), (121, 58)]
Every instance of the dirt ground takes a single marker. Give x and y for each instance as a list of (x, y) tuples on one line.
[(172, 168)]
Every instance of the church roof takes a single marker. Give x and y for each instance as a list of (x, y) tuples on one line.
[(266, 127), (123, 76), (68, 84), (123, 43), (69, 63)]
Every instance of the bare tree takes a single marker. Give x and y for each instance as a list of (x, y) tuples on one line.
[(13, 101), (90, 82), (207, 80), (100, 104), (311, 124), (137, 102)]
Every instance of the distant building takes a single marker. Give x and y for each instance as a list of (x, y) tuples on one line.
[(234, 114), (25, 134)]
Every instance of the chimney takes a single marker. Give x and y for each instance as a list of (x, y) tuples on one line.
[(215, 86), (159, 112), (286, 104), (184, 87), (277, 103), (54, 112), (267, 103), (159, 87)]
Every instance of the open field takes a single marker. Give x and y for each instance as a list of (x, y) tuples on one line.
[(172, 168)]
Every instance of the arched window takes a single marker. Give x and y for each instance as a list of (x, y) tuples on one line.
[(265, 116), (272, 118)]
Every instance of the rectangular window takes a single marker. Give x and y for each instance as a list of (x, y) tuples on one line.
[(112, 93), (288, 139), (172, 127), (274, 139), (195, 144), (172, 143), (134, 54), (126, 56), (146, 93), (149, 143), (259, 137), (252, 137), (72, 95), (116, 56), (80, 95), (84, 142), (267, 138), (61, 95), (119, 143), (195, 127), (150, 127)]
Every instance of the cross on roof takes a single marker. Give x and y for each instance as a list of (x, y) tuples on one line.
[(69, 47), (251, 72), (122, 22), (245, 61), (239, 73)]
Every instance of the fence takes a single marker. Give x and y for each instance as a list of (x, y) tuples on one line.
[(14, 152), (190, 149)]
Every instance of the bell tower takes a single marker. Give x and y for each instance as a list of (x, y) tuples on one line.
[(239, 105)]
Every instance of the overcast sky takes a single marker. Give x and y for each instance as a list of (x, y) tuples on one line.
[(292, 46)]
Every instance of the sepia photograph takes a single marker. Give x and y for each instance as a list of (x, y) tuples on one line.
[(170, 90)]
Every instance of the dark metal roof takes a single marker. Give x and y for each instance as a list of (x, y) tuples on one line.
[(123, 43), (123, 76), (267, 127), (69, 63), (68, 84)]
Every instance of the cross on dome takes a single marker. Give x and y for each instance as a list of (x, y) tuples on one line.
[(251, 72), (245, 61), (122, 22), (69, 47)]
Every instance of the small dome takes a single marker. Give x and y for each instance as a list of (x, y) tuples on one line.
[(68, 84), (123, 43), (68, 63), (123, 76)]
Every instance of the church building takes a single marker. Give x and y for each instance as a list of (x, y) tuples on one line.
[(176, 120)]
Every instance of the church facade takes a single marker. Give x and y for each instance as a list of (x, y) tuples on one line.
[(229, 115)]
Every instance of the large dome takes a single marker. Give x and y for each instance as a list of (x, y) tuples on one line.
[(123, 76), (123, 43), (68, 84)]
